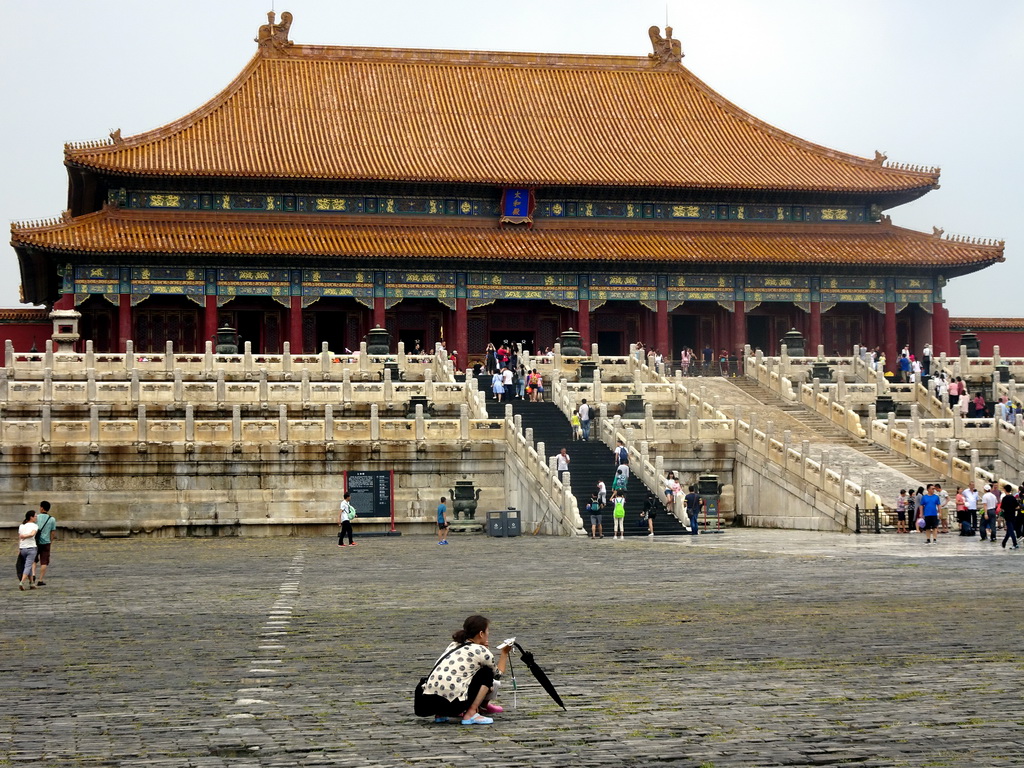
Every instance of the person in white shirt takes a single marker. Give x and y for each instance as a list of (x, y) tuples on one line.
[(988, 520), (345, 516), (1001, 409), (943, 509), (562, 463), (671, 489), (584, 414), (971, 500), (27, 547)]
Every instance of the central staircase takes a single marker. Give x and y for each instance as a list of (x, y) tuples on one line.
[(590, 461)]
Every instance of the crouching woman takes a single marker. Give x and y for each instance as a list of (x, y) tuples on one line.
[(464, 677)]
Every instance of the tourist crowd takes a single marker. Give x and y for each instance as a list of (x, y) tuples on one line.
[(927, 510)]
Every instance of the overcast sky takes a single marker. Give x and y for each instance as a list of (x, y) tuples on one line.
[(928, 82)]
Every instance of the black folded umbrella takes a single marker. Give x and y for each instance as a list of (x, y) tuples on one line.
[(541, 676)]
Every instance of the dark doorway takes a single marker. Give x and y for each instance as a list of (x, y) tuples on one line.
[(158, 320), (610, 343), (417, 320), (840, 334), (340, 330), (330, 328), (250, 327), (759, 332), (684, 334), (259, 325), (411, 339), (99, 323)]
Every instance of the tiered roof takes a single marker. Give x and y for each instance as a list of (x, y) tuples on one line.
[(641, 127), (123, 233), (346, 113)]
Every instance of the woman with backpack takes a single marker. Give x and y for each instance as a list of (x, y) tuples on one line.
[(619, 514), (537, 386)]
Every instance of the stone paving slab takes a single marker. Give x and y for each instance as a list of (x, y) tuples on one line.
[(752, 648)]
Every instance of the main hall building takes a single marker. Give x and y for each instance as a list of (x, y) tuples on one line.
[(479, 197)]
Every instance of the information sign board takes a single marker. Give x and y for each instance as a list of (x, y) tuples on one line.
[(371, 493)]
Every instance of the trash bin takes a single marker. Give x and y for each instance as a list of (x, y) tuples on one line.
[(513, 522), (496, 523)]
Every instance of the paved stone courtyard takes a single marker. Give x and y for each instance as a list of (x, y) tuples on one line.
[(750, 648)]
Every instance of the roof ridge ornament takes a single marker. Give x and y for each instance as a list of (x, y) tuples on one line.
[(274, 37), (667, 50)]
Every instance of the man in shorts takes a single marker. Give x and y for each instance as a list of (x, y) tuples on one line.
[(46, 523), (442, 521), (594, 508), (930, 511)]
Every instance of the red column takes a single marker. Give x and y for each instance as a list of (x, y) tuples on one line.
[(66, 301), (378, 312), (814, 329), (210, 321), (661, 330), (940, 329), (739, 328), (295, 326), (584, 324), (461, 334), (890, 345), (124, 321)]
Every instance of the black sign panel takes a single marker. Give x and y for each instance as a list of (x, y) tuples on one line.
[(371, 493)]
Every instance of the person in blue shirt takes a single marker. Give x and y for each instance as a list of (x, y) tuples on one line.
[(442, 521), (930, 511), (904, 369)]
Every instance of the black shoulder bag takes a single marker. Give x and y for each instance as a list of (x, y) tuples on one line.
[(419, 704)]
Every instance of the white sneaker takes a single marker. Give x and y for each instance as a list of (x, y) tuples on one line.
[(649, 535)]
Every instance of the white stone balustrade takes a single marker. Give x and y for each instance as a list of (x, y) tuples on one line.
[(155, 365)]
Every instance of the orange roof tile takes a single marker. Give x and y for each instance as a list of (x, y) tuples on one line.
[(986, 323), (129, 232), (18, 315), (346, 113)]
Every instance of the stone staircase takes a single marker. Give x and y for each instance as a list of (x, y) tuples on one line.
[(590, 462), (835, 434)]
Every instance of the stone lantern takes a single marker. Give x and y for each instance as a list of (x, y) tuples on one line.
[(65, 329)]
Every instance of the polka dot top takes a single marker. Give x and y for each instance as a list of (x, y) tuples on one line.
[(452, 677)]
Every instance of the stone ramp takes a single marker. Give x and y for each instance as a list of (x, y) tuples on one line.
[(868, 464)]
